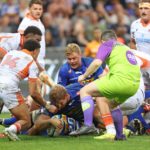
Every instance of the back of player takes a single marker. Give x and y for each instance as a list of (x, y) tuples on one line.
[(123, 68), (14, 67)]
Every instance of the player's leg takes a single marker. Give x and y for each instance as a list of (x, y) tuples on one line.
[(23, 116), (107, 88), (15, 103), (131, 105), (44, 122), (40, 124), (87, 103), (2, 53), (7, 121), (107, 118)]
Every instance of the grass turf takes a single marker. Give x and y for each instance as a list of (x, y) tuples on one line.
[(73, 143)]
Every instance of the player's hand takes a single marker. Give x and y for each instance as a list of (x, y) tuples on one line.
[(51, 108), (81, 79), (57, 123)]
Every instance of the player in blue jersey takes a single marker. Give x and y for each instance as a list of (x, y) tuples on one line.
[(67, 101), (75, 66)]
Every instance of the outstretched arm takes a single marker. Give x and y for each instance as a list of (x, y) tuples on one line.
[(90, 70), (46, 79)]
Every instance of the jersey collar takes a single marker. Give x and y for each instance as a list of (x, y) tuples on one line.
[(144, 24)]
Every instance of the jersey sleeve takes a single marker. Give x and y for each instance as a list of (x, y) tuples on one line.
[(62, 77), (33, 72), (23, 25), (104, 50)]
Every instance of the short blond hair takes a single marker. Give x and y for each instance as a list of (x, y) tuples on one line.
[(57, 93), (72, 47)]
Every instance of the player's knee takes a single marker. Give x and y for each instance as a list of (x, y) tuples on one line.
[(83, 91)]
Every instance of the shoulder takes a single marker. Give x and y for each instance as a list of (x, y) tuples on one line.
[(65, 67), (86, 61), (25, 20), (135, 23)]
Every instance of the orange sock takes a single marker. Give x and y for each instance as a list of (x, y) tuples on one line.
[(107, 119), (109, 124)]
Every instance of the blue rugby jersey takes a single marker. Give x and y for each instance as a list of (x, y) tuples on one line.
[(67, 75), (73, 109)]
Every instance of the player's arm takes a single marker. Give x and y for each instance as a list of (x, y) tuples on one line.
[(35, 87), (39, 66), (34, 91), (46, 79), (91, 69), (132, 39), (132, 44), (3, 52), (98, 73)]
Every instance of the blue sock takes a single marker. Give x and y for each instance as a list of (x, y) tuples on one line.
[(88, 109), (9, 121)]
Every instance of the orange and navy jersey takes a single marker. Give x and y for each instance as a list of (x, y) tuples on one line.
[(30, 21), (91, 49), (10, 41), (17, 65), (140, 32)]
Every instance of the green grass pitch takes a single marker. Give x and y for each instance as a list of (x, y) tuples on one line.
[(73, 143)]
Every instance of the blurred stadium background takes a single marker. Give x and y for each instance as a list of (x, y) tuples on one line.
[(68, 21)]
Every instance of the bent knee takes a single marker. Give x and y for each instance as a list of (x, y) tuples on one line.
[(84, 91)]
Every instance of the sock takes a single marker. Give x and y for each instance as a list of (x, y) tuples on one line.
[(118, 122), (9, 121), (108, 122), (14, 128), (88, 109)]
